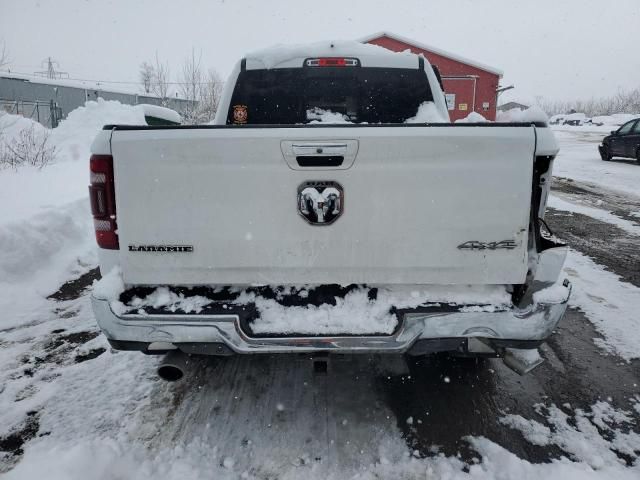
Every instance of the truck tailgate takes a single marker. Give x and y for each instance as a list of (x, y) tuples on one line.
[(413, 196)]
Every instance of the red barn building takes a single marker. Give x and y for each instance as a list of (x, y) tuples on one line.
[(469, 86)]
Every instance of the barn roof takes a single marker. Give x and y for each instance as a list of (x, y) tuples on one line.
[(435, 50)]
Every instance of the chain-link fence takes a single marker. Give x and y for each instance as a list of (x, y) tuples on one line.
[(47, 113)]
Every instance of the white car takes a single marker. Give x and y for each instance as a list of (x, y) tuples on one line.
[(575, 119), (332, 208)]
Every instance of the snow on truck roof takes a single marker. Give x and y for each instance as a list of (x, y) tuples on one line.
[(291, 56)]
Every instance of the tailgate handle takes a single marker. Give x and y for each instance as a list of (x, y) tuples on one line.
[(320, 160), (319, 154), (312, 149)]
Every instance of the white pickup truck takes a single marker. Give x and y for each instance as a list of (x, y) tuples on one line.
[(331, 207)]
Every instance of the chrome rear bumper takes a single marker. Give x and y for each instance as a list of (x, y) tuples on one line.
[(223, 333)]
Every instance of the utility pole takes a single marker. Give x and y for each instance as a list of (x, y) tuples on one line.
[(51, 71)]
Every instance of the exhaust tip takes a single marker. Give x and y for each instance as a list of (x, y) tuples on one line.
[(170, 373), (522, 361), (173, 366)]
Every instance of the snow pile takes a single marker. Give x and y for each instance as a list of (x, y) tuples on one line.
[(427, 113), (473, 117), (27, 246), (532, 114), (46, 224), (605, 120), (74, 135), (620, 118), (11, 126), (319, 115)]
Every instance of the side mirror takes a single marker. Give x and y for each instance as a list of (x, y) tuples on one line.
[(614, 132)]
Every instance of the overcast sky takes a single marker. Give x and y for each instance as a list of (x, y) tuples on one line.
[(559, 49)]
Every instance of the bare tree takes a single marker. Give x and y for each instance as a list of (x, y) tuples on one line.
[(210, 94), (200, 88), (160, 82), (31, 147), (146, 76), (190, 83), (624, 101), (4, 55)]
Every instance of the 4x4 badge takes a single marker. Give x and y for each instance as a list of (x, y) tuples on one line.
[(501, 245)]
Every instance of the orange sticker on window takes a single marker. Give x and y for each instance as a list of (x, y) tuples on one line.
[(240, 114)]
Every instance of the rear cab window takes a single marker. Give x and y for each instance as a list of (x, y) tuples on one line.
[(302, 95)]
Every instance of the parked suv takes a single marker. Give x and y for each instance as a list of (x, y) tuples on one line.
[(624, 142)]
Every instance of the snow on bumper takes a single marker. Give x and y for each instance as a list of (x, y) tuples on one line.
[(418, 331)]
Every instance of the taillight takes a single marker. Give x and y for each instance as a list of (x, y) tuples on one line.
[(332, 62), (102, 195)]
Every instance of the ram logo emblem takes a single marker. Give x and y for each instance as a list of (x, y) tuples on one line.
[(320, 203)]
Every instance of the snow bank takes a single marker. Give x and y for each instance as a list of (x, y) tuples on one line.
[(45, 222), (473, 117), (575, 117), (604, 120), (427, 113), (12, 125), (30, 191), (532, 114), (74, 135), (28, 246), (620, 118)]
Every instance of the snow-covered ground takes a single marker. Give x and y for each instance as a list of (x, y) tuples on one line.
[(579, 159), (92, 413)]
